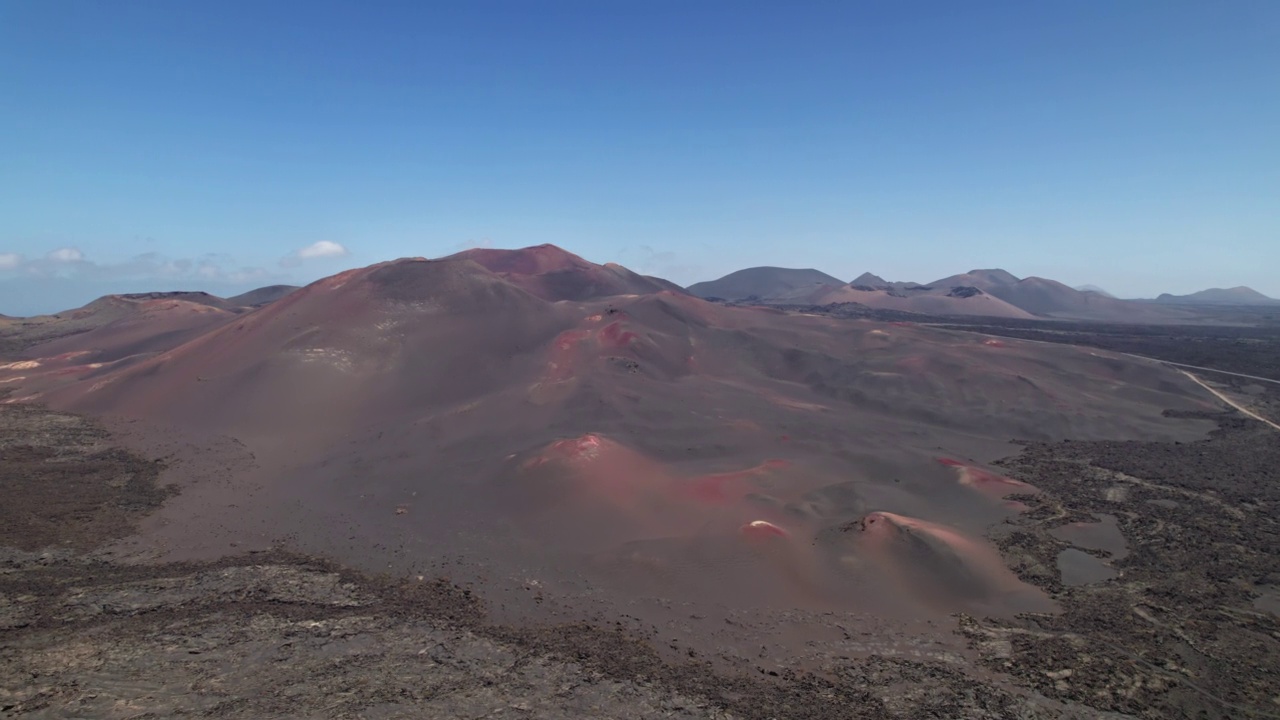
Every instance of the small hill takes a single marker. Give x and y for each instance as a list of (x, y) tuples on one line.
[(1220, 296), (959, 300), (769, 283), (870, 280), (262, 296), (119, 326)]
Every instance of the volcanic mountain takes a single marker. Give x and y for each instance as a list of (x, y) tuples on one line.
[(531, 409), (770, 283), (1219, 296), (1052, 299), (955, 300), (118, 327)]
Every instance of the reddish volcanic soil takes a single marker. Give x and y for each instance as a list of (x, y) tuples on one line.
[(543, 422)]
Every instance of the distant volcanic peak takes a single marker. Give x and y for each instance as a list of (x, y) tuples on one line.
[(1239, 295), (995, 275), (984, 279), (1034, 281), (870, 280), (193, 296), (765, 282), (536, 260)]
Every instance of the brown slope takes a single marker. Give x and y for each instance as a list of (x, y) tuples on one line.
[(929, 302), (365, 341), (554, 274), (436, 407)]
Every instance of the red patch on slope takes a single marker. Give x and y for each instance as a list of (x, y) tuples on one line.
[(612, 335), (992, 485), (721, 488)]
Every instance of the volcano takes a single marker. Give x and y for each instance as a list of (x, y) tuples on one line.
[(528, 409)]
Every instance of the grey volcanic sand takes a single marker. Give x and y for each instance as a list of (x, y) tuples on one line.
[(437, 416)]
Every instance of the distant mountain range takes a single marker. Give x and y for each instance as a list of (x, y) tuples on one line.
[(989, 293), (1219, 296), (548, 272)]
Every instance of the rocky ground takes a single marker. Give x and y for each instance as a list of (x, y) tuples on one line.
[(1185, 627)]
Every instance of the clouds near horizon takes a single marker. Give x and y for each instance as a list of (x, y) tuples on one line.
[(66, 277), (321, 249), (70, 263), (66, 255)]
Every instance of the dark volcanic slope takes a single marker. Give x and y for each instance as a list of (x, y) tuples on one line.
[(771, 283), (724, 455), (262, 295)]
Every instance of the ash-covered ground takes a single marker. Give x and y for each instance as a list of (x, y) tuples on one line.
[(1161, 559), (1183, 624), (277, 635)]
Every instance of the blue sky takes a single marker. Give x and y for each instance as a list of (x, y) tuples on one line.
[(157, 145)]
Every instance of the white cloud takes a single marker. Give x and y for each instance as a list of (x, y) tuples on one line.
[(322, 249), (10, 261), (66, 255)]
